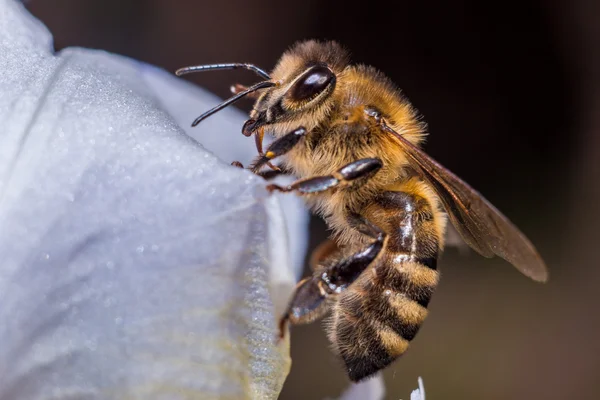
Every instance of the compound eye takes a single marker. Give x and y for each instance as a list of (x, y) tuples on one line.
[(313, 82)]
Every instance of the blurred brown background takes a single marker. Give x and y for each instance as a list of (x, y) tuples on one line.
[(511, 92)]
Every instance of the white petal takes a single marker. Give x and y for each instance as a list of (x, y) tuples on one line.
[(134, 263), (221, 134), (371, 389), (418, 394)]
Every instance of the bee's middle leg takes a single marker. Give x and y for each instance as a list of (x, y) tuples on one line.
[(309, 301), (359, 170)]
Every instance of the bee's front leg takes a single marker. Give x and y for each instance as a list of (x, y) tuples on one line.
[(360, 170), (279, 147), (237, 88), (267, 175), (309, 301)]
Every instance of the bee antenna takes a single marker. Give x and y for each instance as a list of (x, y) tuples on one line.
[(212, 67), (233, 99)]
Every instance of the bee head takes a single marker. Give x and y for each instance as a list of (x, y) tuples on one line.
[(298, 92), (305, 78)]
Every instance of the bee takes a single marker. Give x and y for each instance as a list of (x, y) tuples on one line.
[(354, 142)]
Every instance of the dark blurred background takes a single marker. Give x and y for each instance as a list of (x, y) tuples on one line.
[(511, 93)]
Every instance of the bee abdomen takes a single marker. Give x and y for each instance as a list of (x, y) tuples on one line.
[(374, 322), (376, 317)]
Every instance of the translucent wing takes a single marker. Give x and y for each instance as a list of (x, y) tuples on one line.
[(479, 223)]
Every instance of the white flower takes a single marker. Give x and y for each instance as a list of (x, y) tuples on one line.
[(419, 393), (370, 389), (374, 389), (134, 264)]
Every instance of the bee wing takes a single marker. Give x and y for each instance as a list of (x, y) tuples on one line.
[(479, 223)]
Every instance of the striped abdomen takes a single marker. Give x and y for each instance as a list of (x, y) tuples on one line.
[(378, 315)]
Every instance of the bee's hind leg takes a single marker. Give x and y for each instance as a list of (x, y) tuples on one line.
[(309, 301)]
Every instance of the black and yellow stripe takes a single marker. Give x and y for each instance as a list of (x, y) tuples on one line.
[(374, 321)]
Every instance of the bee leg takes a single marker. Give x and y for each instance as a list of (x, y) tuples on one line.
[(362, 169), (340, 275), (309, 300), (267, 175), (279, 147), (323, 251), (271, 174), (308, 303), (237, 88), (258, 139)]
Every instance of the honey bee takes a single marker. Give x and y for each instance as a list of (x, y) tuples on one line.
[(354, 141)]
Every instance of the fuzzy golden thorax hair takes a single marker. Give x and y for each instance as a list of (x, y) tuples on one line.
[(339, 131)]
